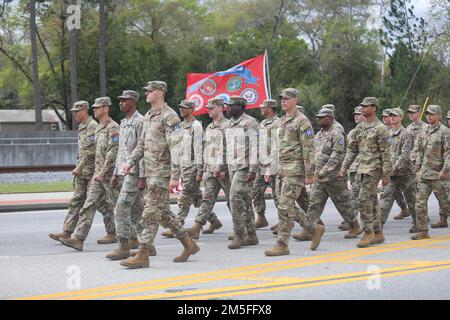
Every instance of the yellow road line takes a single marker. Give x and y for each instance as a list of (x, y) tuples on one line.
[(197, 278), (394, 262)]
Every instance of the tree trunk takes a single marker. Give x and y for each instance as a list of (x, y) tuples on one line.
[(73, 71), (36, 85), (102, 63)]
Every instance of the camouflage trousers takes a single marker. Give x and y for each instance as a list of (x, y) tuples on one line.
[(368, 203), (290, 189), (99, 195), (337, 190), (210, 194), (355, 185), (129, 207), (424, 189), (259, 190), (403, 186), (446, 184), (157, 211), (301, 203), (396, 194), (241, 203), (190, 195)]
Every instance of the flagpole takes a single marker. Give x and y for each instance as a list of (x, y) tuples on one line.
[(268, 73)]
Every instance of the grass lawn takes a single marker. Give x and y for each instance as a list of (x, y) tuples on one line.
[(36, 187)]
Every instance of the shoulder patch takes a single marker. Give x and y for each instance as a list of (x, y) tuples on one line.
[(389, 140), (91, 138), (115, 136), (309, 132), (341, 141)]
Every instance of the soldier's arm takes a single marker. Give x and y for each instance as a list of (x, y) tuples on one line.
[(306, 136), (138, 152), (352, 149), (384, 146), (337, 155), (404, 159), (139, 135), (111, 151), (117, 169), (174, 139), (198, 147), (446, 167), (419, 152), (254, 146), (88, 155)]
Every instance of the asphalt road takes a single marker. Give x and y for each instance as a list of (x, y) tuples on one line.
[(34, 266)]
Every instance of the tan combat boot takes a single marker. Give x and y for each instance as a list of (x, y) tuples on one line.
[(214, 225), (421, 236), (251, 240), (317, 236), (280, 249), (152, 252), (59, 236), (261, 221), (194, 232), (403, 214), (366, 239), (414, 229), (304, 235), (140, 260), (168, 234), (190, 248), (122, 252), (378, 238), (109, 238), (344, 226), (74, 243), (237, 241), (275, 226), (354, 230), (133, 243), (441, 224)]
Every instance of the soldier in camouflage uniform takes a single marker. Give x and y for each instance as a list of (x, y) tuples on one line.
[(84, 169), (329, 146), (191, 163), (335, 123), (241, 136), (372, 142), (215, 170), (432, 168), (159, 146), (268, 165), (130, 203), (402, 174), (295, 168), (99, 190)]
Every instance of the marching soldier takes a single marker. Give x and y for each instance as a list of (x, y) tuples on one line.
[(372, 142), (268, 166), (158, 146), (191, 162), (432, 167), (295, 167), (402, 174), (130, 202), (99, 190), (242, 155), (215, 171)]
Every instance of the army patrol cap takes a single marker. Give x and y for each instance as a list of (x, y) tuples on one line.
[(325, 112), (367, 101), (156, 85), (414, 108), (80, 105), (237, 100), (215, 102), (186, 104), (129, 94), (270, 103), (288, 93), (103, 101), (357, 110), (433, 109), (397, 112), (386, 112), (448, 115), (329, 106), (301, 109)]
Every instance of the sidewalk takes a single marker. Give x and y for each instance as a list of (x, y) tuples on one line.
[(57, 201)]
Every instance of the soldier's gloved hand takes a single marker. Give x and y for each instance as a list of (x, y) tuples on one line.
[(98, 178), (200, 178), (173, 184), (75, 172), (385, 181), (126, 169), (142, 184), (342, 172), (250, 176), (114, 181)]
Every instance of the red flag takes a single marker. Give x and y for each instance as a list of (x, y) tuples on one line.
[(247, 79)]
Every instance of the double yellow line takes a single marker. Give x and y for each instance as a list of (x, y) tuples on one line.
[(180, 281)]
